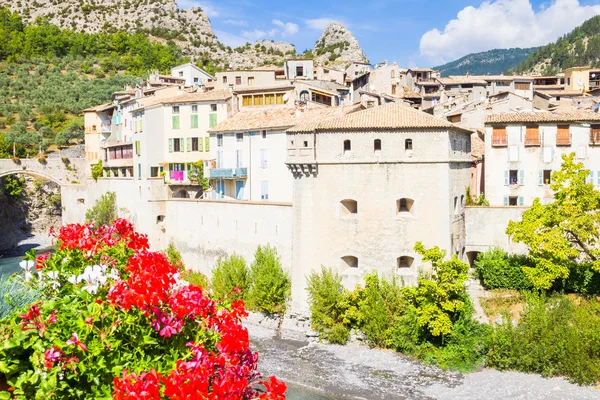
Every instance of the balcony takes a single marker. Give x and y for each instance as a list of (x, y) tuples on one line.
[(228, 173), (105, 128)]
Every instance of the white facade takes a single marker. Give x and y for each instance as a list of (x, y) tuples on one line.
[(299, 69), (193, 75), (516, 173), (251, 166)]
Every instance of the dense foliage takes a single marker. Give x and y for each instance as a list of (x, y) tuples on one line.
[(13, 185), (230, 277), (118, 321), (564, 232), (104, 211), (492, 62), (499, 270), (555, 337), (432, 321), (578, 48)]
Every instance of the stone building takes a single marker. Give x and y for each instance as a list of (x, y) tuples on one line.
[(523, 149), (369, 185)]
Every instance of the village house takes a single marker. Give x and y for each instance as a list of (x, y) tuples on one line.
[(582, 79), (387, 78), (326, 73), (301, 68), (193, 75), (523, 149), (368, 185), (97, 128), (517, 84)]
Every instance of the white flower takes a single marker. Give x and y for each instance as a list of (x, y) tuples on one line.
[(40, 275), (27, 265), (91, 288), (53, 275), (113, 274), (72, 279)]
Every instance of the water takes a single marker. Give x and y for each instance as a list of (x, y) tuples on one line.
[(295, 393), (9, 265)]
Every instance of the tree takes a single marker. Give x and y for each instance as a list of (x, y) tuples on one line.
[(104, 211), (196, 174), (563, 232), (439, 298), (270, 284)]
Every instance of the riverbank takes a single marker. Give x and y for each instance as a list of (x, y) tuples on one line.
[(355, 371), (40, 242)]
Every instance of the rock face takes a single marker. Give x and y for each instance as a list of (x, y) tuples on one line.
[(338, 45)]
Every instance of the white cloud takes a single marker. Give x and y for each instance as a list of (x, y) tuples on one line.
[(503, 24), (288, 28), (319, 24), (229, 39), (238, 22), (210, 10), (258, 34)]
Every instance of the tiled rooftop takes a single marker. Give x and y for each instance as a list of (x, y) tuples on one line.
[(583, 116), (462, 80), (211, 95)]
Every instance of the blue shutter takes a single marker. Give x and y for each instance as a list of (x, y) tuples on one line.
[(505, 201), (521, 200), (541, 178), (521, 177), (170, 145), (506, 178), (590, 178)]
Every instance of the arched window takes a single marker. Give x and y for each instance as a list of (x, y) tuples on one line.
[(455, 204), (181, 194), (81, 201), (462, 200), (408, 144), (377, 145), (347, 207), (404, 262), (304, 96), (350, 262), (347, 146), (404, 205)]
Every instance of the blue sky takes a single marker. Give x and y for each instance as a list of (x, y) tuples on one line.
[(412, 33)]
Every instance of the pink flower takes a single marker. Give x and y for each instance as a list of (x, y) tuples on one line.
[(76, 342), (51, 356)]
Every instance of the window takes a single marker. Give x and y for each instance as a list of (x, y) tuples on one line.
[(581, 152), (80, 201), (404, 262), (238, 80), (349, 262), (239, 159), (392, 74), (408, 145), (194, 144), (513, 200), (377, 145), (213, 108), (239, 137), (94, 128), (175, 122), (563, 135), (264, 190), (348, 207), (269, 99), (456, 207), (306, 143), (180, 73), (264, 134), (404, 205), (153, 172), (175, 109), (304, 95), (595, 134), (160, 218), (532, 135), (522, 86), (347, 146), (194, 121), (177, 145), (250, 81), (196, 80), (264, 158), (219, 140), (299, 70), (499, 137), (393, 89), (546, 176), (279, 98), (195, 108), (224, 79)]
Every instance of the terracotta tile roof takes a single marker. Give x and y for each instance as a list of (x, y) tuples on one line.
[(505, 77), (269, 88), (248, 119), (324, 85), (101, 107), (421, 69), (428, 83), (462, 80), (508, 118), (477, 145), (211, 95), (391, 116), (431, 95), (560, 93)]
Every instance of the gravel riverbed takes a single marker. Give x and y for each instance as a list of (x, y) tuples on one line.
[(322, 371)]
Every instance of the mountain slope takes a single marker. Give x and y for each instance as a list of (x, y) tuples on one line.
[(491, 62), (337, 44), (578, 48)]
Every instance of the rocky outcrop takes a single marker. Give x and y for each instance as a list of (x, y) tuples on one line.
[(32, 212), (337, 45)]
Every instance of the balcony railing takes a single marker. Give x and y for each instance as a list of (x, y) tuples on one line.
[(228, 173)]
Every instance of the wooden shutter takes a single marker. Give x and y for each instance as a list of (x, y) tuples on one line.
[(201, 144), (506, 177), (212, 120), (499, 136), (521, 177), (563, 135), (521, 202), (532, 135), (189, 144), (540, 177), (595, 134), (207, 144), (170, 145), (137, 148), (505, 201), (175, 122)]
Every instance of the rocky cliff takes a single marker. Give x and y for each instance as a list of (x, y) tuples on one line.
[(337, 45)]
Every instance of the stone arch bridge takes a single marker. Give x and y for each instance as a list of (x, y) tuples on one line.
[(67, 171)]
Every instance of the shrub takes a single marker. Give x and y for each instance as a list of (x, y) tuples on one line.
[(555, 337), (104, 211), (270, 284), (109, 331), (97, 170), (498, 270), (13, 186), (174, 257), (229, 274), (195, 278), (328, 303)]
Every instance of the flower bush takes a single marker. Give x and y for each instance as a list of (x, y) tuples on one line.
[(118, 322)]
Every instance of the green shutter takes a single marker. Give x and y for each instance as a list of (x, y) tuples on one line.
[(189, 144), (194, 121), (521, 201), (207, 143), (212, 120), (505, 201), (137, 148), (175, 121), (506, 177), (139, 171), (170, 145), (521, 177), (200, 144)]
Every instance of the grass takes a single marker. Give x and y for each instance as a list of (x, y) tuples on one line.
[(502, 301)]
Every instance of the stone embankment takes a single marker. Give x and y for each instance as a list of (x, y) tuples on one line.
[(289, 350)]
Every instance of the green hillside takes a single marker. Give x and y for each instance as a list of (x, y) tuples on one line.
[(578, 48), (486, 63), (48, 76)]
